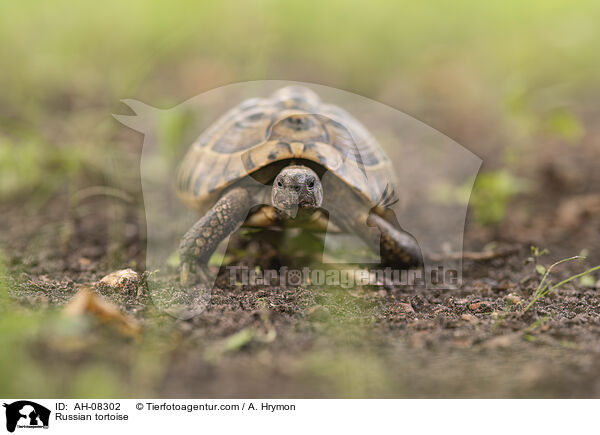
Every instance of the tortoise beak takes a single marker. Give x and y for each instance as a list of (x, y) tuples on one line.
[(290, 210)]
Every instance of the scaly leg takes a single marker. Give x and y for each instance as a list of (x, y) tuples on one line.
[(198, 244), (397, 247), (352, 214)]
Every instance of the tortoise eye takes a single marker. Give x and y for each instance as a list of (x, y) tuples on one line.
[(311, 184), (279, 183)]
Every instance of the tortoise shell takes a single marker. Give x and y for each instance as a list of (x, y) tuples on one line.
[(292, 124)]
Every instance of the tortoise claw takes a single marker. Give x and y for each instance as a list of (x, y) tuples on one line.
[(195, 275), (184, 273)]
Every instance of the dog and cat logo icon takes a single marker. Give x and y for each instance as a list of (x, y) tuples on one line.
[(25, 414)]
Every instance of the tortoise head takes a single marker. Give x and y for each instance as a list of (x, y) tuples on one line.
[(296, 187)]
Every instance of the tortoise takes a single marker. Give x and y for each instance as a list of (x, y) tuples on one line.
[(289, 160)]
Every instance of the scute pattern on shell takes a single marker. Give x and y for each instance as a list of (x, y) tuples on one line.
[(292, 123)]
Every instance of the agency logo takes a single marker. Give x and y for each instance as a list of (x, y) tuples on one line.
[(25, 414), (335, 174)]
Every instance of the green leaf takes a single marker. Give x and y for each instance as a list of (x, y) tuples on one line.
[(219, 260), (540, 269), (173, 260), (587, 281), (565, 125), (239, 340)]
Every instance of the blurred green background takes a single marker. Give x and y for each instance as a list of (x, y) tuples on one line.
[(515, 82), (492, 75), (501, 78)]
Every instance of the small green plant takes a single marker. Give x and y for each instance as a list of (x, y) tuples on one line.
[(538, 323), (488, 195), (536, 253), (545, 286), (491, 194)]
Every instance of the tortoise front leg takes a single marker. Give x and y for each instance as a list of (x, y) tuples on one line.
[(198, 244), (397, 248)]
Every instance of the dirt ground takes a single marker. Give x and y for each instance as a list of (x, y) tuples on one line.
[(325, 342)]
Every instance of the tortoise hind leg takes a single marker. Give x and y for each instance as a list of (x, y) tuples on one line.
[(397, 247), (198, 244)]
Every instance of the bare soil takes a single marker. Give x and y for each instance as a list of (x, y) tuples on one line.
[(329, 342)]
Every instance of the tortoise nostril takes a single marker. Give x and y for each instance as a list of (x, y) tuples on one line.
[(296, 122)]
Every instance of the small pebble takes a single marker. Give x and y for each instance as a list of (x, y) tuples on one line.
[(482, 306), (470, 318), (407, 308), (126, 280), (513, 299), (501, 341)]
